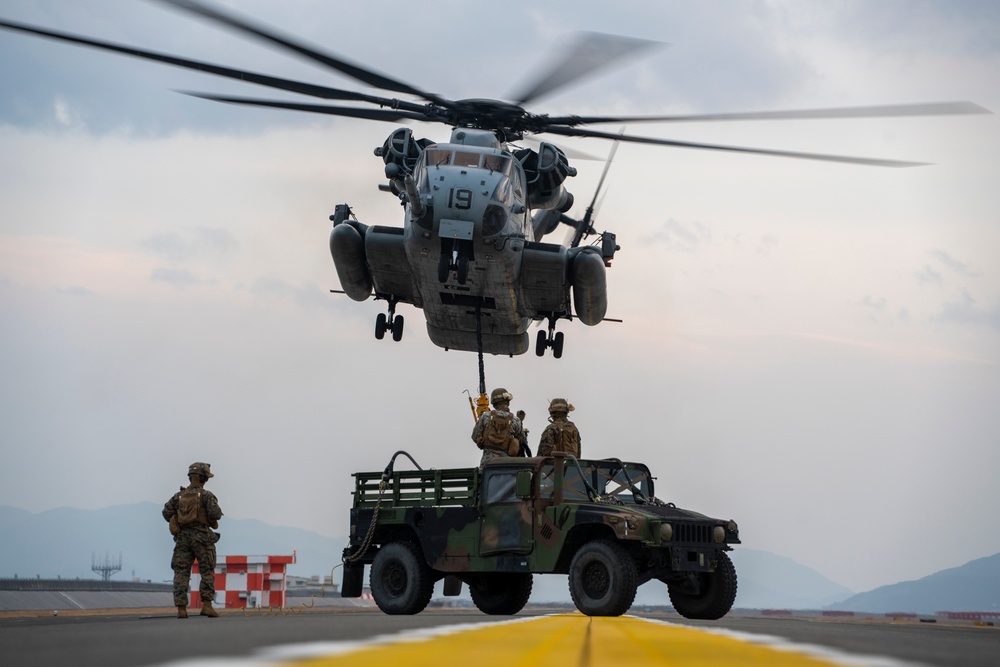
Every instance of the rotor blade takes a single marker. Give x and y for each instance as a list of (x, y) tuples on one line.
[(390, 115), (585, 226), (890, 110), (873, 162), (358, 72), (570, 152), (303, 88), (607, 166), (588, 53)]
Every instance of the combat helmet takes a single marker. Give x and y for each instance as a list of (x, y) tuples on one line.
[(500, 395), (199, 468), (560, 405)]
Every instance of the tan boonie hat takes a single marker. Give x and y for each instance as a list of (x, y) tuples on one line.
[(560, 405), (500, 395), (200, 469)]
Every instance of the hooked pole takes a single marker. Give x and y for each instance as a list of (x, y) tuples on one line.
[(483, 403)]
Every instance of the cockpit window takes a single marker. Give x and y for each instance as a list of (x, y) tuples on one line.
[(495, 163), (502, 193), (516, 178), (436, 157), (465, 159)]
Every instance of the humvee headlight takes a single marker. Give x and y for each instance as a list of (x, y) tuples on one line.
[(719, 534), (666, 532), (733, 528)]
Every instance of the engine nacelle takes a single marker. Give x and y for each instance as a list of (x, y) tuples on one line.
[(590, 285), (402, 150), (347, 246), (545, 171), (545, 221)]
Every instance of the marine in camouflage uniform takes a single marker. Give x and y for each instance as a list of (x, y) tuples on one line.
[(194, 541), (500, 399), (552, 439)]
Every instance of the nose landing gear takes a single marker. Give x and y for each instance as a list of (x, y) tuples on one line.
[(389, 322), (456, 261)]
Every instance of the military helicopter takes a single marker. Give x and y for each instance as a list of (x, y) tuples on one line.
[(471, 252)]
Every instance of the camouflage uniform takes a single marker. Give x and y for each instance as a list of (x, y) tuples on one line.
[(558, 417), (500, 399), (195, 542)]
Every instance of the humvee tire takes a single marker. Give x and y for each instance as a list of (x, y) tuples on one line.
[(501, 592), (603, 579), (401, 582), (718, 592)]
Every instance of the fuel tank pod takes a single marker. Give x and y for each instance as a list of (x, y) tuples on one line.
[(590, 285), (347, 247)]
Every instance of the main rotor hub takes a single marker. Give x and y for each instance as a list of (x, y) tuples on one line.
[(506, 119)]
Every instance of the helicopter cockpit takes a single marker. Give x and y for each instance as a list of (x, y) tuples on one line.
[(453, 180)]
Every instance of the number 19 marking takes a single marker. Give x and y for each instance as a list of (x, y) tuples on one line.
[(460, 198)]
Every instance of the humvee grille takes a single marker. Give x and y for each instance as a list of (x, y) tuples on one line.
[(693, 533)]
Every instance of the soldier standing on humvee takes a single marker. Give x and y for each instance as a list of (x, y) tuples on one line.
[(498, 432), (561, 435), (193, 512)]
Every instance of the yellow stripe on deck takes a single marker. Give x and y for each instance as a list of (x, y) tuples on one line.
[(571, 640)]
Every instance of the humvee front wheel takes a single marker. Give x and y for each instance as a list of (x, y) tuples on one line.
[(715, 594), (501, 592), (602, 579), (401, 582)]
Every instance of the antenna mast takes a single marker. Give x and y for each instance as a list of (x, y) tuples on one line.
[(106, 567)]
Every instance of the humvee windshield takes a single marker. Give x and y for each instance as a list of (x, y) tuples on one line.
[(606, 478)]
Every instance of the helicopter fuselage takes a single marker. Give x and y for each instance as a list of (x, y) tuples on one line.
[(467, 253)]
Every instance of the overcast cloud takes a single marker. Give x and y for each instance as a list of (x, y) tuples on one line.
[(811, 349)]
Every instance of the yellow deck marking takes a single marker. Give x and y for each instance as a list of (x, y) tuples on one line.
[(572, 640)]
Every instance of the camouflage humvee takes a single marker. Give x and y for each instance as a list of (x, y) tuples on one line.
[(595, 520)]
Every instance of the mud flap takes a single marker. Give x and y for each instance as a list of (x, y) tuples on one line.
[(354, 580), (452, 585)]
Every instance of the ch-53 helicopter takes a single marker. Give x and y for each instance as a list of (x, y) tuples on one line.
[(470, 252)]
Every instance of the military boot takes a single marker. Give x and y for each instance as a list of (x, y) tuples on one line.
[(208, 610), (182, 612)]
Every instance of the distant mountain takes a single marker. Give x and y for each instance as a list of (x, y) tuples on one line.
[(974, 586), (63, 542), (768, 581)]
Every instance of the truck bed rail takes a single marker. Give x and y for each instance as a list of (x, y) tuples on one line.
[(417, 488)]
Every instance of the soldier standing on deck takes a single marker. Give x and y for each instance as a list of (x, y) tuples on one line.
[(193, 512), (498, 432)]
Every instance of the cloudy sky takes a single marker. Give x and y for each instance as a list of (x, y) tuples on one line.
[(811, 349)]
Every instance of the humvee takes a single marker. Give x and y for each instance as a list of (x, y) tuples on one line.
[(596, 520)]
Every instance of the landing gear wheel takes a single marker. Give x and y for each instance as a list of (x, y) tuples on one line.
[(381, 324), (397, 328), (400, 580), (603, 579), (541, 343), (711, 598), (501, 593), (462, 269), (557, 345)]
